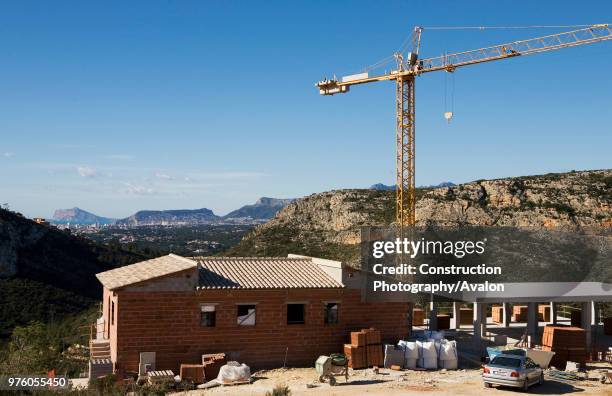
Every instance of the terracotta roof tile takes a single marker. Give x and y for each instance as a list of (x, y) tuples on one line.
[(144, 270), (263, 273)]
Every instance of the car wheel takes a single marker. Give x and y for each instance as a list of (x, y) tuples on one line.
[(525, 387), (487, 385)]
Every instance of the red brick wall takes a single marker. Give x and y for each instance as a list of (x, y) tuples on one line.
[(110, 329), (168, 323)]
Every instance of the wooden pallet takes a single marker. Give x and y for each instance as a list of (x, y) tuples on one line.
[(235, 383)]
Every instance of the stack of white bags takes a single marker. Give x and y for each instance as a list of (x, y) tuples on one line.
[(431, 354)]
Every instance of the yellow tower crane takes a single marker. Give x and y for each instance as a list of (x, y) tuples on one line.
[(411, 66)]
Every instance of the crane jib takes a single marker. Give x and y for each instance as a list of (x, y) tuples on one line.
[(405, 97)]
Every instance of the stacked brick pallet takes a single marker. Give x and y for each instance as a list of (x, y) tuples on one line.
[(193, 373), (498, 313), (466, 316), (568, 343), (418, 317), (519, 313), (212, 364), (544, 312), (365, 349)]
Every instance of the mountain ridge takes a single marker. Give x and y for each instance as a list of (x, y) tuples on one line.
[(328, 224), (262, 210), (79, 216)]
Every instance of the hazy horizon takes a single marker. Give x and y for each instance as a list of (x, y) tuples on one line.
[(119, 107)]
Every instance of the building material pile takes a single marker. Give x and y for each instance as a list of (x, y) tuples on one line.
[(431, 353), (498, 314), (544, 312), (466, 316), (160, 376), (568, 343), (356, 356), (365, 349), (234, 373), (418, 317), (193, 373), (519, 313), (212, 364)]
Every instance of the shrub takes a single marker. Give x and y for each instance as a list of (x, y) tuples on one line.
[(279, 390)]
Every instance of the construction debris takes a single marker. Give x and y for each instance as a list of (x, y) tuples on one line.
[(160, 376)]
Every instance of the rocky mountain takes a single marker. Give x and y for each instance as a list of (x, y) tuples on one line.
[(381, 186), (46, 273), (328, 224), (170, 217), (264, 209), (78, 216)]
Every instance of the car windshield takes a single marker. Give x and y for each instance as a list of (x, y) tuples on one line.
[(506, 361)]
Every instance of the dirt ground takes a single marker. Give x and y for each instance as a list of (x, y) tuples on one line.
[(303, 381)]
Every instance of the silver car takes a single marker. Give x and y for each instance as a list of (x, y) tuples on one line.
[(512, 370)]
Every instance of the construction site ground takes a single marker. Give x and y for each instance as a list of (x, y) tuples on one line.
[(304, 381)]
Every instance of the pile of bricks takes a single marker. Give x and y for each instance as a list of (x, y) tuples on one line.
[(212, 364), (498, 313), (365, 349), (193, 373), (568, 343), (466, 316), (544, 312), (418, 317), (519, 313)]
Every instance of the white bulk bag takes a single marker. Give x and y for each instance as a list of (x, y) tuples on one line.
[(428, 356), (411, 350), (410, 363), (448, 351), (427, 349), (449, 364), (428, 363)]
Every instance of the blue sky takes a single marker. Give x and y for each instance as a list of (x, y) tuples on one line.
[(121, 106)]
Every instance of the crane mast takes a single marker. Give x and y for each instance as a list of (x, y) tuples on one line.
[(412, 66)]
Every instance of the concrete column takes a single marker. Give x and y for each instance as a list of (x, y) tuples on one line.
[(480, 320), (507, 314), (587, 319), (553, 313), (594, 314), (433, 316), (456, 314), (532, 321)]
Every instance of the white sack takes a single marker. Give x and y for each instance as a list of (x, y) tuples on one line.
[(233, 371)]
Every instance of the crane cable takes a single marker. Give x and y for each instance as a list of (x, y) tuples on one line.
[(505, 27)]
